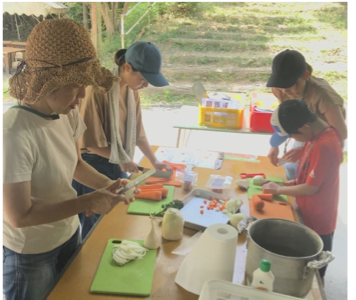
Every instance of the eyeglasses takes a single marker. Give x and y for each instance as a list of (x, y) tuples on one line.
[(285, 145)]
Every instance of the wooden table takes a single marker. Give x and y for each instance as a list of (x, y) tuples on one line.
[(19, 45), (78, 277), (6, 43), (8, 53), (189, 120)]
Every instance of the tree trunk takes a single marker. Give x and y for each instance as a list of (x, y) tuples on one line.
[(107, 20), (94, 26), (115, 19), (100, 40), (85, 16), (126, 7)]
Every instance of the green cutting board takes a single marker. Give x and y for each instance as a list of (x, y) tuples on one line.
[(256, 189), (144, 206), (134, 278)]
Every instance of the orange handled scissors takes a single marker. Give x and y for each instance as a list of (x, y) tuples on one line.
[(251, 175)]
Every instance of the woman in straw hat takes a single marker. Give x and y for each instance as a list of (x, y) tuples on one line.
[(114, 119), (41, 157)]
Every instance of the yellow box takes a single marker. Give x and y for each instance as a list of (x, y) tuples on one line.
[(220, 117)]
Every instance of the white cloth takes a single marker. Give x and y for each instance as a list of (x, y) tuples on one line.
[(118, 154), (43, 152)]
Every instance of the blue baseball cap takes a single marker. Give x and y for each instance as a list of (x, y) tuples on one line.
[(287, 118), (147, 59)]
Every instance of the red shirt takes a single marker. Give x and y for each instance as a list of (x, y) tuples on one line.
[(319, 166)]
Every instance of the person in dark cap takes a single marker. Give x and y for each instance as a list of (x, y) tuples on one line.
[(316, 184), (41, 229), (114, 119), (292, 78)]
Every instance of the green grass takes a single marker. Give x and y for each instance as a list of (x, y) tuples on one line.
[(261, 29), (166, 98)]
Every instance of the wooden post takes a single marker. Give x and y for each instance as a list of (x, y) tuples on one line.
[(99, 36), (85, 16), (94, 26)]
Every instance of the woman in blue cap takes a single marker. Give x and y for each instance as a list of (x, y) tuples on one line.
[(292, 78), (114, 120)]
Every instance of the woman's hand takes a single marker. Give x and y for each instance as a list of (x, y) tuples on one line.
[(273, 155), (160, 166), (129, 167), (293, 154), (104, 200), (271, 188)]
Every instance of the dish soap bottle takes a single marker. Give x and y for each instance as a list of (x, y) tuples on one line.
[(263, 278)]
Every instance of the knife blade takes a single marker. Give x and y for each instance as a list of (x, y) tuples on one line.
[(219, 161), (158, 173)]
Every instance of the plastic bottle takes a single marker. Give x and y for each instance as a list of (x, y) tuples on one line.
[(263, 278)]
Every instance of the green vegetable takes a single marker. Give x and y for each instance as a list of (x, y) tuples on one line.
[(174, 204)]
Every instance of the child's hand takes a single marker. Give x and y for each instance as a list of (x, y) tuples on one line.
[(293, 154), (271, 188), (273, 155)]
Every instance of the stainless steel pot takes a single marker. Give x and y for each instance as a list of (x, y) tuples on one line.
[(294, 250)]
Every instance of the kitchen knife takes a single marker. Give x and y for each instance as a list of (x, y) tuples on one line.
[(158, 173), (219, 161)]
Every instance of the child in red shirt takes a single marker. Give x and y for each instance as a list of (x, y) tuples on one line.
[(316, 184)]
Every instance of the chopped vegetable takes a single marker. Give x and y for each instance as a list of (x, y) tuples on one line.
[(150, 195), (128, 251), (258, 203), (174, 204), (205, 201), (268, 197), (172, 225), (151, 186), (202, 211), (236, 218)]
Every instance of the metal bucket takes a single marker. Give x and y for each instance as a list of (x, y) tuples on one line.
[(294, 250)]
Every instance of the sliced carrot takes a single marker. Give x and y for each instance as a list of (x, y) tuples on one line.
[(205, 201), (268, 197), (202, 211), (163, 190), (175, 166), (151, 186), (257, 203), (150, 195), (201, 206)]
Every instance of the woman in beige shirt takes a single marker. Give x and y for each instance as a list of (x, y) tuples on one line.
[(292, 79), (114, 120)]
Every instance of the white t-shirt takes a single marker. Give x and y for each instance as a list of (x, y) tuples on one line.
[(41, 151)]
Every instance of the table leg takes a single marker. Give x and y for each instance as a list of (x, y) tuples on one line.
[(178, 138), (183, 141), (7, 63)]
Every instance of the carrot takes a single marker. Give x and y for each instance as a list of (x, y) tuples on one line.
[(257, 203), (201, 206), (202, 211), (175, 166), (151, 186), (150, 195), (205, 201), (268, 197), (162, 190)]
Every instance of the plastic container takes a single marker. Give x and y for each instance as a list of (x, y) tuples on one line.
[(189, 180), (223, 290), (261, 109), (263, 277), (222, 112), (218, 183)]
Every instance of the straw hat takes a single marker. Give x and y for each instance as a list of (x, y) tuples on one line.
[(58, 52)]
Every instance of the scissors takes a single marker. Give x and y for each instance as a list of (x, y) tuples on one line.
[(250, 175)]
